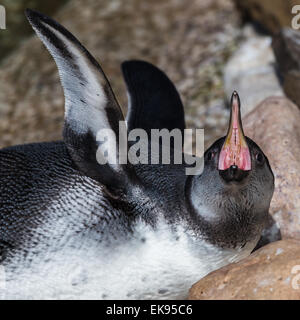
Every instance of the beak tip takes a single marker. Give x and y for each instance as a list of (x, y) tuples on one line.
[(235, 96)]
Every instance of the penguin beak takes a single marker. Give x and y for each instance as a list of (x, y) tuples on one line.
[(235, 151)]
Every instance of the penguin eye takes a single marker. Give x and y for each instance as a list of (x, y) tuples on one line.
[(259, 158), (210, 155)]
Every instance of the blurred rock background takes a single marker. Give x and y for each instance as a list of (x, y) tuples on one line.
[(208, 48), (17, 29), (190, 41)]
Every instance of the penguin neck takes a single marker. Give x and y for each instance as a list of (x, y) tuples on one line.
[(227, 221), (233, 228)]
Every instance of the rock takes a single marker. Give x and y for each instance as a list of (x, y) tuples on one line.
[(274, 126), (250, 71), (273, 15), (272, 272), (270, 233), (286, 46), (291, 86), (191, 43)]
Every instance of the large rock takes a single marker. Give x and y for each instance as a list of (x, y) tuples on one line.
[(275, 126), (272, 272), (189, 42), (286, 46), (273, 15), (251, 72)]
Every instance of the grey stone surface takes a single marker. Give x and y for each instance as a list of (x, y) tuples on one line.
[(251, 71), (286, 46)]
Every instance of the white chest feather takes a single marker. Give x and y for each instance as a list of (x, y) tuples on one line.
[(154, 264)]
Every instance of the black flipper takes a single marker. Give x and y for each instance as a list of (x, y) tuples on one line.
[(154, 102)]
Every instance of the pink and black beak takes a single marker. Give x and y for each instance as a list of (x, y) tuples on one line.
[(234, 159)]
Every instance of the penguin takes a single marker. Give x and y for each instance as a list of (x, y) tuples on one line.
[(72, 228)]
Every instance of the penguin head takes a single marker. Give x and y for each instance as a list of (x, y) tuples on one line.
[(237, 182), (235, 156)]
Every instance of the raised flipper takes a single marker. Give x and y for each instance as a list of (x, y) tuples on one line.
[(90, 104), (154, 102)]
